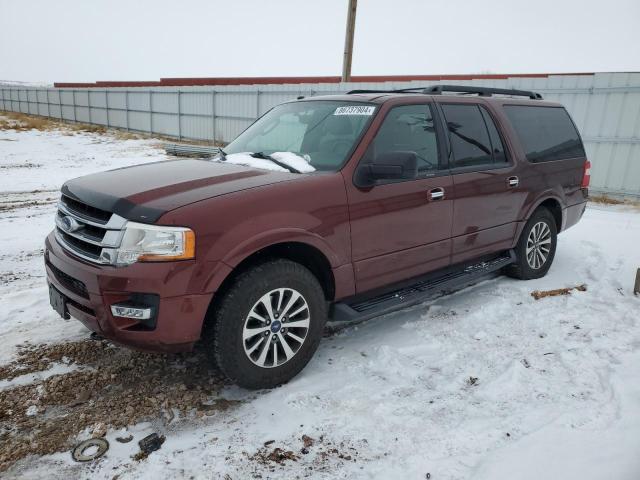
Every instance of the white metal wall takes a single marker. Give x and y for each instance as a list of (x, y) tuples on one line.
[(605, 106)]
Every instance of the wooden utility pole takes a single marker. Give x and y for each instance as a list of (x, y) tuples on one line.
[(348, 41)]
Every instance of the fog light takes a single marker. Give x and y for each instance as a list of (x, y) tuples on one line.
[(130, 312)]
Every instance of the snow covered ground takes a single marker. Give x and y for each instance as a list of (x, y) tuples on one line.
[(487, 383)]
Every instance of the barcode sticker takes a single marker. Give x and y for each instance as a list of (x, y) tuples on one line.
[(355, 110)]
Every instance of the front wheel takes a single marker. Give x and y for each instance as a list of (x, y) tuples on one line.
[(268, 324), (536, 247)]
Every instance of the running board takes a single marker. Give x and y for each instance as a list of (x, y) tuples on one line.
[(420, 291)]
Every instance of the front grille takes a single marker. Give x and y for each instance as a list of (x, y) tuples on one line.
[(73, 284), (81, 246), (88, 232), (84, 210)]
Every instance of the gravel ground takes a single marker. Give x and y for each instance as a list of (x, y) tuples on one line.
[(106, 387)]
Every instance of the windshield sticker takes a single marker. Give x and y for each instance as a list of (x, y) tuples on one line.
[(355, 110)]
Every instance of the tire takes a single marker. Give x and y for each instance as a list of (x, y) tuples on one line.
[(529, 265), (243, 310)]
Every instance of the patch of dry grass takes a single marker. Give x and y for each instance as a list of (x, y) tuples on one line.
[(607, 200), (21, 122)]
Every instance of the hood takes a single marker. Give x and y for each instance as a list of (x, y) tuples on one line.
[(145, 192)]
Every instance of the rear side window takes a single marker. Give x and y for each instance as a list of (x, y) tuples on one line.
[(545, 133), (468, 135)]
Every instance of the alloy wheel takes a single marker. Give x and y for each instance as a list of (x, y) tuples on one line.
[(276, 327), (538, 245)]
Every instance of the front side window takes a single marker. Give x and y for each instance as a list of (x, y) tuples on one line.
[(468, 135), (409, 128), (323, 133), (546, 133)]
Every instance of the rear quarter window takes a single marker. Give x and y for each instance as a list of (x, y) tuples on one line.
[(545, 133)]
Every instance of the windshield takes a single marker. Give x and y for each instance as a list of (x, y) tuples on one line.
[(321, 132)]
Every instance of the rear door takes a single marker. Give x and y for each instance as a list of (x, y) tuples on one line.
[(402, 229), (486, 196)]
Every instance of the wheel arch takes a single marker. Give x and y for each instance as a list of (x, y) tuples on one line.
[(305, 254), (551, 203), (548, 201)]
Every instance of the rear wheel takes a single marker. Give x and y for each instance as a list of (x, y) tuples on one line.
[(536, 247), (268, 324)]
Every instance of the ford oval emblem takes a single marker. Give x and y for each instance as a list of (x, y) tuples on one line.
[(69, 224)]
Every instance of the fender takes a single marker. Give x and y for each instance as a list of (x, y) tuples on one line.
[(542, 197), (280, 235), (248, 247)]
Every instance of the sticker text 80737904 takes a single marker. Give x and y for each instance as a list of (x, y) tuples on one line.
[(355, 110)]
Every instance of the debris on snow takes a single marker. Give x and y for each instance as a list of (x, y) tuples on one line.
[(307, 441), (99, 430), (277, 455), (90, 450), (151, 443), (537, 294), (126, 439)]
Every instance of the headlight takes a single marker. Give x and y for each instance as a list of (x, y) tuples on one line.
[(153, 243)]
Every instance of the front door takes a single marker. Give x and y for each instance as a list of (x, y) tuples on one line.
[(401, 229)]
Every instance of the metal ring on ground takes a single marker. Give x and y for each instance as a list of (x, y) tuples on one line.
[(101, 447)]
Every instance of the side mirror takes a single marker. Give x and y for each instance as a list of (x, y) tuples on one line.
[(388, 166)]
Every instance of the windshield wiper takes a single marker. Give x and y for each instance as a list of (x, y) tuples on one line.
[(262, 156), (223, 155)]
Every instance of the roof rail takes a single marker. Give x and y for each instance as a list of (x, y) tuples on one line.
[(482, 91), (439, 89)]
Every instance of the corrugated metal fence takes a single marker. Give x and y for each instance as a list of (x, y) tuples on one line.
[(605, 106)]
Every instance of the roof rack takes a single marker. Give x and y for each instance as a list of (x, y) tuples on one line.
[(439, 89)]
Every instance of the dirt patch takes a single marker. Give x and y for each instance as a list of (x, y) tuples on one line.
[(12, 206), (17, 200), (23, 256), (538, 294), (316, 455), (112, 386), (20, 165), (264, 456), (9, 277)]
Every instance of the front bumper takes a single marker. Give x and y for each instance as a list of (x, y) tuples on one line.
[(91, 289)]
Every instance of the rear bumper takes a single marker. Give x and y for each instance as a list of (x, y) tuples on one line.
[(572, 215), (91, 290)]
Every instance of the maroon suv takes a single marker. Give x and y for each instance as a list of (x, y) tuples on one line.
[(335, 207)]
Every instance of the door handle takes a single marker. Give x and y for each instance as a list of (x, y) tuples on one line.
[(513, 181), (436, 193)]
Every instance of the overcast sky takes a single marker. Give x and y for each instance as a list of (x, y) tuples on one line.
[(88, 40)]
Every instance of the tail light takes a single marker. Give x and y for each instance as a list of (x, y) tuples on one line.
[(586, 174)]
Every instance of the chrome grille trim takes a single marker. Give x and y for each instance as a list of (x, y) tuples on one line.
[(111, 238), (75, 251), (88, 231), (116, 222)]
